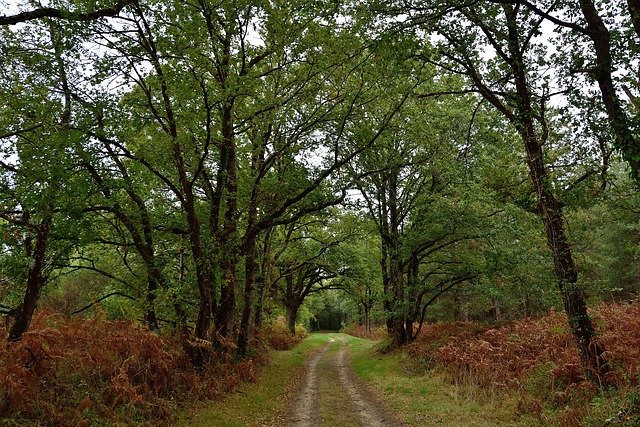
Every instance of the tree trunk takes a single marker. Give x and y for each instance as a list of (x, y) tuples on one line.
[(597, 31), (225, 317), (261, 278), (396, 276), (386, 288), (292, 315), (150, 312), (550, 210), (249, 291), (367, 321), (497, 312), (35, 281)]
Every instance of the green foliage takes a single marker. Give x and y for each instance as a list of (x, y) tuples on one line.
[(325, 160)]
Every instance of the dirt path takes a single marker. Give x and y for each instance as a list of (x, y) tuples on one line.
[(330, 394), (305, 411)]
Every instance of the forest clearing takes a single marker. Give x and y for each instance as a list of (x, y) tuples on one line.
[(191, 189)]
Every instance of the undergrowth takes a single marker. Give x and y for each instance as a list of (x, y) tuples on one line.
[(97, 372), (538, 359), (277, 335), (359, 331)]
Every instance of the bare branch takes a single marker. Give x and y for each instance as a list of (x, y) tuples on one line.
[(50, 12)]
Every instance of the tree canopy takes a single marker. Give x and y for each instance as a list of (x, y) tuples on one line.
[(206, 166)]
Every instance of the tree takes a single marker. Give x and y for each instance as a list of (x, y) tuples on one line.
[(509, 81), (362, 279), (599, 61), (410, 190), (307, 263), (40, 203)]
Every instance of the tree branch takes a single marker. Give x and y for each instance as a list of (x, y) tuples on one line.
[(88, 306), (50, 12)]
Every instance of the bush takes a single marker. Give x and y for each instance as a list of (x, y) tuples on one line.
[(78, 372), (377, 333), (277, 335), (539, 358)]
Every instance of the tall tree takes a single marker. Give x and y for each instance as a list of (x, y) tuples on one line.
[(609, 29), (510, 81), (40, 191), (408, 186)]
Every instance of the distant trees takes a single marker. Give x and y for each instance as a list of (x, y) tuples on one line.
[(411, 192)]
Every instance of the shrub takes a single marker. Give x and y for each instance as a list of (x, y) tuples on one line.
[(539, 358), (276, 335), (377, 332), (78, 372)]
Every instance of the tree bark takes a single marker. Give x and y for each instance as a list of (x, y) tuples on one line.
[(550, 210), (249, 293), (291, 316), (597, 31), (229, 241), (35, 281), (396, 273)]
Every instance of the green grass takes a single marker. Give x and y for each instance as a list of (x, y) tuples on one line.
[(259, 403), (426, 398)]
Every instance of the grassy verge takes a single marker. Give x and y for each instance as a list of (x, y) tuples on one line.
[(258, 403), (424, 398)]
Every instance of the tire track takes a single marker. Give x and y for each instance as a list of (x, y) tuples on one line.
[(306, 413), (367, 407), (345, 398)]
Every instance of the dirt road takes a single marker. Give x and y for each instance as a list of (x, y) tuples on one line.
[(330, 394)]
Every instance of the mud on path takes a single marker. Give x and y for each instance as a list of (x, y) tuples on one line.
[(330, 394)]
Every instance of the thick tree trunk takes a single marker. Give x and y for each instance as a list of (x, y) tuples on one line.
[(386, 287), (262, 278), (203, 271), (225, 317), (249, 292), (150, 312), (367, 320), (497, 311), (590, 350), (396, 273), (291, 316), (250, 251), (550, 210)]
